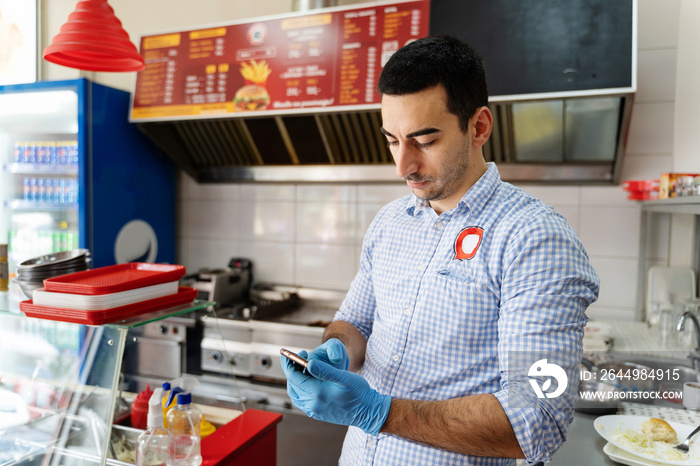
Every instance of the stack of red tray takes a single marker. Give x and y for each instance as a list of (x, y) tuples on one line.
[(110, 284), (640, 190)]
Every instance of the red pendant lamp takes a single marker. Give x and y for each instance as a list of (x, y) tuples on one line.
[(93, 39)]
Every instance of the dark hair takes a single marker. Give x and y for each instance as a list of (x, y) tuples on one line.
[(434, 60)]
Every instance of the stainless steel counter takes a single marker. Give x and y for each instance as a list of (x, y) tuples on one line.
[(583, 446)]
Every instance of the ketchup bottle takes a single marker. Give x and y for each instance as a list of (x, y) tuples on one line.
[(139, 409)]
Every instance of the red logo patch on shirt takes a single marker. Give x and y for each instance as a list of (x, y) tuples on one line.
[(468, 242)]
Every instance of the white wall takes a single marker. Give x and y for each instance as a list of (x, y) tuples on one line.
[(687, 118), (310, 234)]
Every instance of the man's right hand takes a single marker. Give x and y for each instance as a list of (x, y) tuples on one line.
[(332, 352)]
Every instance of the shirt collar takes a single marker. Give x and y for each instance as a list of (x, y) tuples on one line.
[(474, 199), (416, 205), (478, 195)]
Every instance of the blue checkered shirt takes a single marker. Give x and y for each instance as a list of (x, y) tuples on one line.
[(439, 327)]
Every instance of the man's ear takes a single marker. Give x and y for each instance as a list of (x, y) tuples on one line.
[(483, 124)]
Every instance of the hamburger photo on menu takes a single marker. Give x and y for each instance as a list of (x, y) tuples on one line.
[(254, 95)]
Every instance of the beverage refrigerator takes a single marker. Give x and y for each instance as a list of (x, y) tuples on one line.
[(76, 174)]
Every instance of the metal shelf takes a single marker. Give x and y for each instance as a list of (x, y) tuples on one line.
[(689, 205), (20, 204), (42, 169), (676, 205)]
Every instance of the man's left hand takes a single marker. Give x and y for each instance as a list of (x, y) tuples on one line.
[(337, 396)]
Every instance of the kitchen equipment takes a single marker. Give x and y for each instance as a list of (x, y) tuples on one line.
[(165, 349), (245, 340), (225, 285)]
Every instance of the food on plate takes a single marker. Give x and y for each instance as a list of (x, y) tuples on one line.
[(251, 97), (660, 430), (655, 439)]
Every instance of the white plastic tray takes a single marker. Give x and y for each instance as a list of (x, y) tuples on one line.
[(101, 302)]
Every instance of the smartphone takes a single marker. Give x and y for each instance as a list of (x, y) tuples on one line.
[(294, 357)]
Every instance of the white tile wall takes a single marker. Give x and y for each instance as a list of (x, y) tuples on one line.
[(618, 285), (310, 234), (654, 82), (658, 23), (651, 128), (273, 261), (610, 231), (266, 221), (325, 265)]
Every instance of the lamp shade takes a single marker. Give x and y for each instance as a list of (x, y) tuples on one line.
[(93, 39)]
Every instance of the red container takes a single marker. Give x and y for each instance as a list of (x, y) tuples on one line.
[(139, 409), (643, 195), (641, 185)]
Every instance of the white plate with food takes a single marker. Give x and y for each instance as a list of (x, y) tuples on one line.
[(649, 438), (621, 456)]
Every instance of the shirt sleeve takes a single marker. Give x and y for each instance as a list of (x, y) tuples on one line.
[(547, 285)]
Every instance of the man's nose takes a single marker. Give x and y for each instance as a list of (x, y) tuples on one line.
[(406, 161)]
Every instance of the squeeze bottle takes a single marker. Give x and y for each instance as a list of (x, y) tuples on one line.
[(184, 421), (140, 409), (155, 445)]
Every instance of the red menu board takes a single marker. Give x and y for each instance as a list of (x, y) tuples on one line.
[(325, 60)]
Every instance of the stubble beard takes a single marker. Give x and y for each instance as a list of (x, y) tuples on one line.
[(451, 175)]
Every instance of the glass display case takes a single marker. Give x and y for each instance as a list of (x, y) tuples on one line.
[(59, 386)]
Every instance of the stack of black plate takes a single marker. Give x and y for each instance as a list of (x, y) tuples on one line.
[(32, 272)]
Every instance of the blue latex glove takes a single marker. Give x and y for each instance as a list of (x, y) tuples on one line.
[(332, 352), (337, 396)]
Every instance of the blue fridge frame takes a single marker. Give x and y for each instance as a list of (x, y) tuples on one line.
[(123, 177)]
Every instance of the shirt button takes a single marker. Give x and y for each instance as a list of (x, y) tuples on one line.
[(439, 226), (407, 311), (395, 358), (372, 443)]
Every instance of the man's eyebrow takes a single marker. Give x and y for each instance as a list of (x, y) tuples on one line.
[(420, 132)]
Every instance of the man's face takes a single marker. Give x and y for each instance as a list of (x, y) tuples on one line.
[(431, 152)]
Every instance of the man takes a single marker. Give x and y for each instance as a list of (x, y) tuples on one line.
[(468, 291)]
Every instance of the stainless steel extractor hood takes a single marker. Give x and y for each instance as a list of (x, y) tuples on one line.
[(550, 141), (548, 128)]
